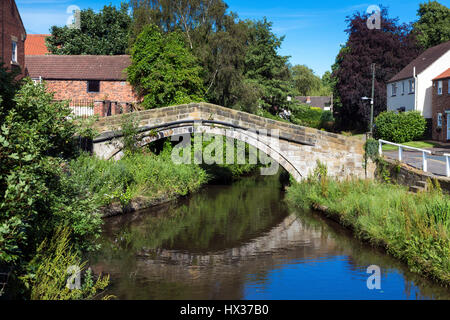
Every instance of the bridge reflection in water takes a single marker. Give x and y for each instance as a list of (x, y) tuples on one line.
[(244, 242)]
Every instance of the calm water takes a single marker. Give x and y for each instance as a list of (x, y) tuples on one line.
[(244, 242)]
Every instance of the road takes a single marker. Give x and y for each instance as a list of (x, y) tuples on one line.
[(436, 164)]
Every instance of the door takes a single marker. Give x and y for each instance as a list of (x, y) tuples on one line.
[(448, 126)]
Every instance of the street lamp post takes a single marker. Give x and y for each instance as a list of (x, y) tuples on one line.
[(371, 100)]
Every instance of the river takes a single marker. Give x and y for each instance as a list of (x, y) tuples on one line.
[(243, 241)]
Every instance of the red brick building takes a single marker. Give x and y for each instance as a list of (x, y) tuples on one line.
[(12, 36), (99, 78), (441, 107)]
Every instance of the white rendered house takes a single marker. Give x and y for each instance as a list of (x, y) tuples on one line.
[(411, 88)]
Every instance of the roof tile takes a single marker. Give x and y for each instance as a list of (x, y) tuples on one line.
[(422, 62), (35, 44), (444, 75), (59, 67)]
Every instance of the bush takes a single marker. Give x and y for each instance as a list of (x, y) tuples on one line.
[(53, 261), (36, 192), (306, 116), (401, 127)]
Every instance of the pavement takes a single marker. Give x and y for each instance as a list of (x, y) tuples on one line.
[(436, 161)]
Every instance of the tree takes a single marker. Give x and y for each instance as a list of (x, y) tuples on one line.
[(163, 71), (390, 48), (103, 33), (37, 194), (433, 26), (265, 67), (216, 38), (305, 81), (327, 82)]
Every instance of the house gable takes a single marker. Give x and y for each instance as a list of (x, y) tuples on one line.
[(13, 35)]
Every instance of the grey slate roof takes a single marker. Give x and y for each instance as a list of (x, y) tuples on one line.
[(422, 62)]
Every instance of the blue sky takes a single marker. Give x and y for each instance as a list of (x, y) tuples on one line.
[(314, 29)]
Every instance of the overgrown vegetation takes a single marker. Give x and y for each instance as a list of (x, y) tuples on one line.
[(411, 227), (54, 260), (37, 192), (136, 175)]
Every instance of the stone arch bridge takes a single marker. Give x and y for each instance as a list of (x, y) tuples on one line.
[(297, 149)]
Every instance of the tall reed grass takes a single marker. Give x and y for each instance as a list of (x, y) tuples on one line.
[(412, 227), (136, 175)]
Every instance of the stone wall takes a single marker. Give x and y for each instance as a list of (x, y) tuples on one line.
[(298, 151), (408, 176), (120, 91)]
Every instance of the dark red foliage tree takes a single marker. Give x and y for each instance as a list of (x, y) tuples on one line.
[(391, 48)]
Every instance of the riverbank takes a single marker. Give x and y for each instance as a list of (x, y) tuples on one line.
[(144, 180), (136, 181), (414, 228)]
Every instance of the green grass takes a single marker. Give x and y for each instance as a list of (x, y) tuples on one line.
[(414, 144), (412, 227), (138, 175)]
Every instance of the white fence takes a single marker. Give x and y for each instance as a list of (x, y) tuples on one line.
[(425, 154), (82, 112)]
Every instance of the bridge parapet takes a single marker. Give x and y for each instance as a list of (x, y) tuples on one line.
[(300, 147)]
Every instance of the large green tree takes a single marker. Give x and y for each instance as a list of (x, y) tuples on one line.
[(214, 36), (265, 67), (433, 26), (103, 33), (305, 81), (390, 48), (163, 71)]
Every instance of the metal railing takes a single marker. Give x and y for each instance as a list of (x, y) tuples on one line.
[(447, 164), (401, 147), (82, 108)]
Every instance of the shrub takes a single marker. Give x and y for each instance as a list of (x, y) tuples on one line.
[(53, 261), (306, 116), (36, 192), (401, 127)]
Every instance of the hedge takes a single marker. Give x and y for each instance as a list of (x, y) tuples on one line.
[(400, 127)]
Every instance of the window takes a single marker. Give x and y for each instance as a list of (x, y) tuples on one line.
[(448, 87), (439, 120), (439, 90), (36, 80), (93, 86), (394, 89), (14, 52), (403, 87), (412, 85)]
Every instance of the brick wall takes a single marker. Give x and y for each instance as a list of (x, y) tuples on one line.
[(11, 28), (440, 103), (120, 91)]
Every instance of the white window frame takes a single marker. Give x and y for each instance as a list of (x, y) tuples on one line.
[(394, 89), (14, 57), (439, 120), (412, 86), (439, 87)]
